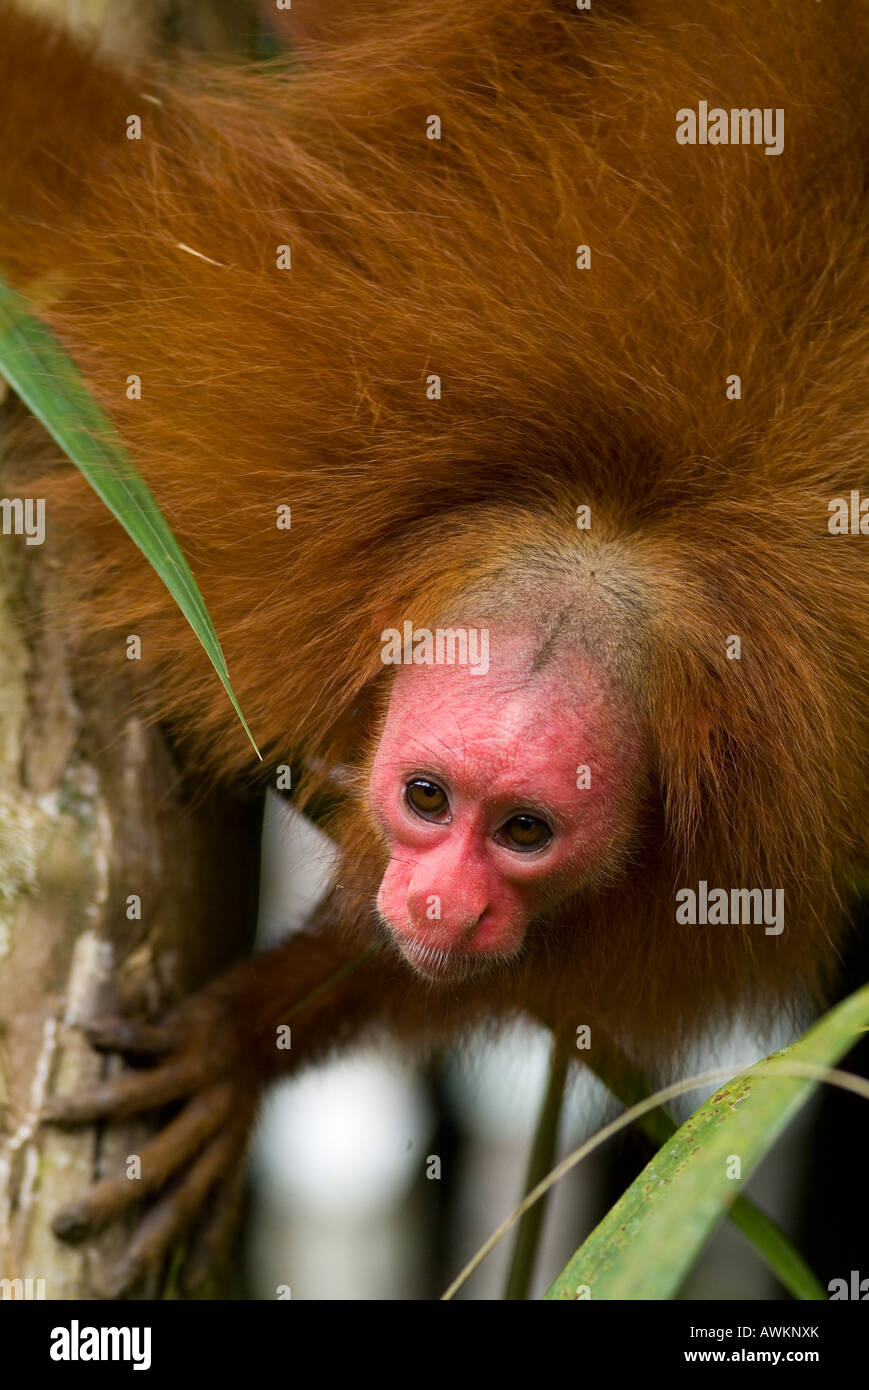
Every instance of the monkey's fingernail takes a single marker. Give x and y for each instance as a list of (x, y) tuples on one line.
[(72, 1223)]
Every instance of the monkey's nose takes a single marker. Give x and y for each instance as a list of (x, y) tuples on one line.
[(467, 929), (454, 929), (441, 922)]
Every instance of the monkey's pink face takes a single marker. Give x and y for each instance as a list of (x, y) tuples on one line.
[(498, 796)]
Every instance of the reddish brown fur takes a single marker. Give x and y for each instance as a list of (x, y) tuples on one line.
[(561, 387)]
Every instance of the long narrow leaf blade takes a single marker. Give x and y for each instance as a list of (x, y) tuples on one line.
[(646, 1244), (628, 1084), (38, 369)]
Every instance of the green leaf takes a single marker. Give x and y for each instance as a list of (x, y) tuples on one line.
[(646, 1244), (38, 369), (626, 1081)]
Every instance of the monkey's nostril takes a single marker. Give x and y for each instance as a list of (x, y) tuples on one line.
[(472, 924)]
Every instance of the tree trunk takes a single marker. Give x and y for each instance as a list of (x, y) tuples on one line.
[(94, 816), (93, 811)]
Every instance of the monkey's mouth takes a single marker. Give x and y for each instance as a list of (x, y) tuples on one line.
[(442, 964)]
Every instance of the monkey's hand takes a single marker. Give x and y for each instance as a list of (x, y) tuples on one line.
[(214, 1054), (198, 1057)]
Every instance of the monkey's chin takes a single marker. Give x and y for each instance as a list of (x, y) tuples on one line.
[(442, 965)]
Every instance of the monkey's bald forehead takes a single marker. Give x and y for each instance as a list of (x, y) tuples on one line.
[(523, 666), (560, 598), (552, 640)]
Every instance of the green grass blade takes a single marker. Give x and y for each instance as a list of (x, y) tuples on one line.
[(38, 369), (620, 1075), (776, 1251), (646, 1244)]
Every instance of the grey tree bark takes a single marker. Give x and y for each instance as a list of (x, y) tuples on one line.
[(94, 812), (95, 819)]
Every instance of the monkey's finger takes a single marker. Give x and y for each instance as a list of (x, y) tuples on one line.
[(214, 1235), (172, 1147), (172, 1215), (114, 1033), (125, 1095)]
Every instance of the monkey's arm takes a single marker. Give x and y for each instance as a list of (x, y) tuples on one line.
[(215, 1054)]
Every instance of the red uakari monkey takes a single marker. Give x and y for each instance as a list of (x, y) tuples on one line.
[(563, 389)]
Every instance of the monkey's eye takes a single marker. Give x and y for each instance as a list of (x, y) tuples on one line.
[(524, 833), (427, 799)]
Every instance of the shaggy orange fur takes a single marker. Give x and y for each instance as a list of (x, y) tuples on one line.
[(561, 386)]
